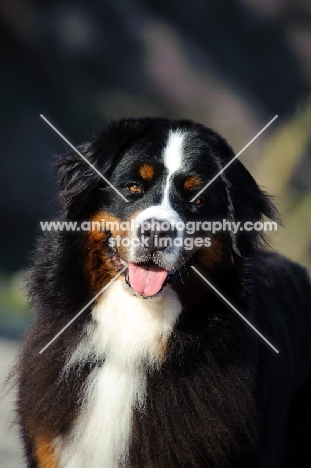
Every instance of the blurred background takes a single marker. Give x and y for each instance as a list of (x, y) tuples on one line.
[(230, 64)]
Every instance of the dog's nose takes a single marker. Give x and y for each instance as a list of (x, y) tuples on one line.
[(156, 234)]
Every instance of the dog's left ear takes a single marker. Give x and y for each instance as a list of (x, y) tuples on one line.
[(245, 201)]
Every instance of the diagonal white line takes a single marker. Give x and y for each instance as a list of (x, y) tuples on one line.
[(82, 310), (235, 157), (83, 157), (235, 310)]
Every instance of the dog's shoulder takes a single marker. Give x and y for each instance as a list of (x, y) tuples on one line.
[(282, 275), (282, 291)]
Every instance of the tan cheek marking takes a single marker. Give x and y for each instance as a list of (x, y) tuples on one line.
[(146, 171), (192, 183), (44, 452), (99, 266), (191, 291), (215, 254)]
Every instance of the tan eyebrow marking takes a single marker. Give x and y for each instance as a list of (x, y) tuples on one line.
[(146, 171), (192, 182)]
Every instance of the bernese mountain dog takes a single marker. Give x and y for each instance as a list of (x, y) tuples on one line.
[(148, 366)]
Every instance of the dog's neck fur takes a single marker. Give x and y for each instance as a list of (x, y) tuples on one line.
[(129, 334)]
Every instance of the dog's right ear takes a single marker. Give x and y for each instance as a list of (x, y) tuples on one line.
[(77, 181)]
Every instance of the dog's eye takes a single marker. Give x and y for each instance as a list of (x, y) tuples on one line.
[(198, 201), (134, 188)]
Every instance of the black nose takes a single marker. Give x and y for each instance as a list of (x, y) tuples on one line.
[(156, 234)]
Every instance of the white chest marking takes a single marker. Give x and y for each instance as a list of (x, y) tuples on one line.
[(128, 331)]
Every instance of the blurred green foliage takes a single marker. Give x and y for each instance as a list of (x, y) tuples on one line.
[(15, 316), (284, 157)]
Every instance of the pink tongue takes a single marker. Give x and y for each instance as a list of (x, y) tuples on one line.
[(146, 280)]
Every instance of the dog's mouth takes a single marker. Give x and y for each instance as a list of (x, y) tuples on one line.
[(146, 279)]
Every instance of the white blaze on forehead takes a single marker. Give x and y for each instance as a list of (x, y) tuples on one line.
[(173, 151), (172, 160), (172, 156)]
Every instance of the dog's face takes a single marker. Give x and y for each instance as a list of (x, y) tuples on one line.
[(159, 166)]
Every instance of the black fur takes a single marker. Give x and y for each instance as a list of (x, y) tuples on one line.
[(222, 397)]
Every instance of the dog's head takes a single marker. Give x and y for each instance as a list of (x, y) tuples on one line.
[(159, 166)]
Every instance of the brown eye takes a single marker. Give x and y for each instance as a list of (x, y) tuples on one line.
[(198, 201), (134, 188)]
